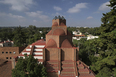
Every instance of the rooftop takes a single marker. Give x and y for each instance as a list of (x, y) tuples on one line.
[(5, 69)]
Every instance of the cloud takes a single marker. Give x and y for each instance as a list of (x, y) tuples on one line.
[(104, 6), (11, 15), (37, 14), (18, 5), (77, 8), (57, 8), (15, 16), (34, 20), (90, 17)]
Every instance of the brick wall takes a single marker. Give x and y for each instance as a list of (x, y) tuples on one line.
[(67, 54), (51, 54), (7, 53)]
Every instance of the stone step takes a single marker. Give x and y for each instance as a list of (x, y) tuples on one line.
[(68, 70), (52, 62), (67, 62), (67, 75), (83, 71), (86, 75), (51, 67), (67, 65)]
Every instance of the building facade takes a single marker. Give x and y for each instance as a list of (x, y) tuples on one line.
[(6, 53), (57, 53)]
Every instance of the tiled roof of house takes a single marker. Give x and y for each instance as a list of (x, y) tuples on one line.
[(35, 49), (6, 69)]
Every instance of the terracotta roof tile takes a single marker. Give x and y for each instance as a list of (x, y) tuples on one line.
[(39, 42), (6, 70)]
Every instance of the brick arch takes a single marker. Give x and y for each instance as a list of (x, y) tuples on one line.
[(66, 44), (55, 24), (51, 43), (59, 31)]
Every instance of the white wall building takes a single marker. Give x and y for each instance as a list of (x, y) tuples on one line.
[(91, 37)]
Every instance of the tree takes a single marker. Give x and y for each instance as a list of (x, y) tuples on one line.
[(29, 67), (105, 72), (19, 37), (106, 62)]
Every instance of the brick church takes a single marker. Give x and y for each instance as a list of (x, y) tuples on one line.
[(57, 53)]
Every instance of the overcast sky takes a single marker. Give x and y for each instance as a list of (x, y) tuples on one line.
[(81, 13)]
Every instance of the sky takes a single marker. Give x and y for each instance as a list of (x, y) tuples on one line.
[(78, 13)]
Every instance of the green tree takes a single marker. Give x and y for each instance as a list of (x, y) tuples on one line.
[(19, 37), (105, 64), (105, 72), (29, 67)]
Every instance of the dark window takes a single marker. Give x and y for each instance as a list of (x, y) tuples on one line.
[(6, 52), (2, 52), (10, 52), (10, 57), (6, 57)]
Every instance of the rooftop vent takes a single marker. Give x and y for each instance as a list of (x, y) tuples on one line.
[(59, 17)]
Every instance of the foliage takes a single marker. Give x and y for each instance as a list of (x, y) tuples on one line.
[(105, 72), (23, 36), (29, 67), (105, 64), (86, 50), (19, 37)]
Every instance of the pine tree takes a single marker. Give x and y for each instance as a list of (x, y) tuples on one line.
[(105, 65)]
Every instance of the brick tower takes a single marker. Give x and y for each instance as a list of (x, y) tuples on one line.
[(57, 53), (59, 49)]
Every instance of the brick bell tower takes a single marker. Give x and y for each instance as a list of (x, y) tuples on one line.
[(59, 50), (58, 33)]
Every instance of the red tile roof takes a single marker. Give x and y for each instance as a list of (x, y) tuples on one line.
[(39, 42), (6, 70)]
